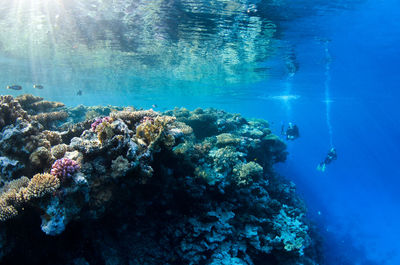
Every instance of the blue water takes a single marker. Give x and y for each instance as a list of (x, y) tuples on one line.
[(355, 201)]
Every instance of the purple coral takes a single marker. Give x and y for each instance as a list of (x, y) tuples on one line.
[(64, 167), (99, 121)]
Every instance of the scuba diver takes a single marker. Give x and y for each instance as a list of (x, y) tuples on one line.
[(332, 155), (292, 131)]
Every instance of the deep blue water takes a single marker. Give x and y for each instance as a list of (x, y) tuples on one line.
[(356, 201)]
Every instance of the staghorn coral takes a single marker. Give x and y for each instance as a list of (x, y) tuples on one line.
[(64, 168), (41, 185)]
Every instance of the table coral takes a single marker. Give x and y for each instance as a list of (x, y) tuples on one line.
[(49, 118)]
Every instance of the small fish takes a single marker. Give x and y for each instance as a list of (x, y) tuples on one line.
[(154, 106), (37, 86), (14, 87), (79, 93)]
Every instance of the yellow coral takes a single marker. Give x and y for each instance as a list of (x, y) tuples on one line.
[(11, 198), (151, 129), (104, 131), (246, 173), (7, 211), (41, 185)]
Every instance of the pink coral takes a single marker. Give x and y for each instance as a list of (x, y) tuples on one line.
[(98, 121), (64, 168)]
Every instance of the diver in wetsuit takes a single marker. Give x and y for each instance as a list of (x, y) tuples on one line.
[(332, 155), (292, 131)]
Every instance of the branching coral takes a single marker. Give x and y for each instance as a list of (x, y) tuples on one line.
[(41, 185), (64, 168), (246, 173), (10, 111), (17, 192), (11, 198), (104, 131), (150, 128), (103, 128), (98, 121)]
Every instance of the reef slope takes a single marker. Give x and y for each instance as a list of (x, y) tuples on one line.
[(106, 185)]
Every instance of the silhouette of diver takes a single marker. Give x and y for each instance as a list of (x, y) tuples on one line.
[(332, 155), (292, 131)]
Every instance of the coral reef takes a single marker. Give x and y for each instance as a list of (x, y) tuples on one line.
[(142, 187)]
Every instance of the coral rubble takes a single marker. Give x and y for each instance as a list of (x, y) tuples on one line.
[(142, 187)]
